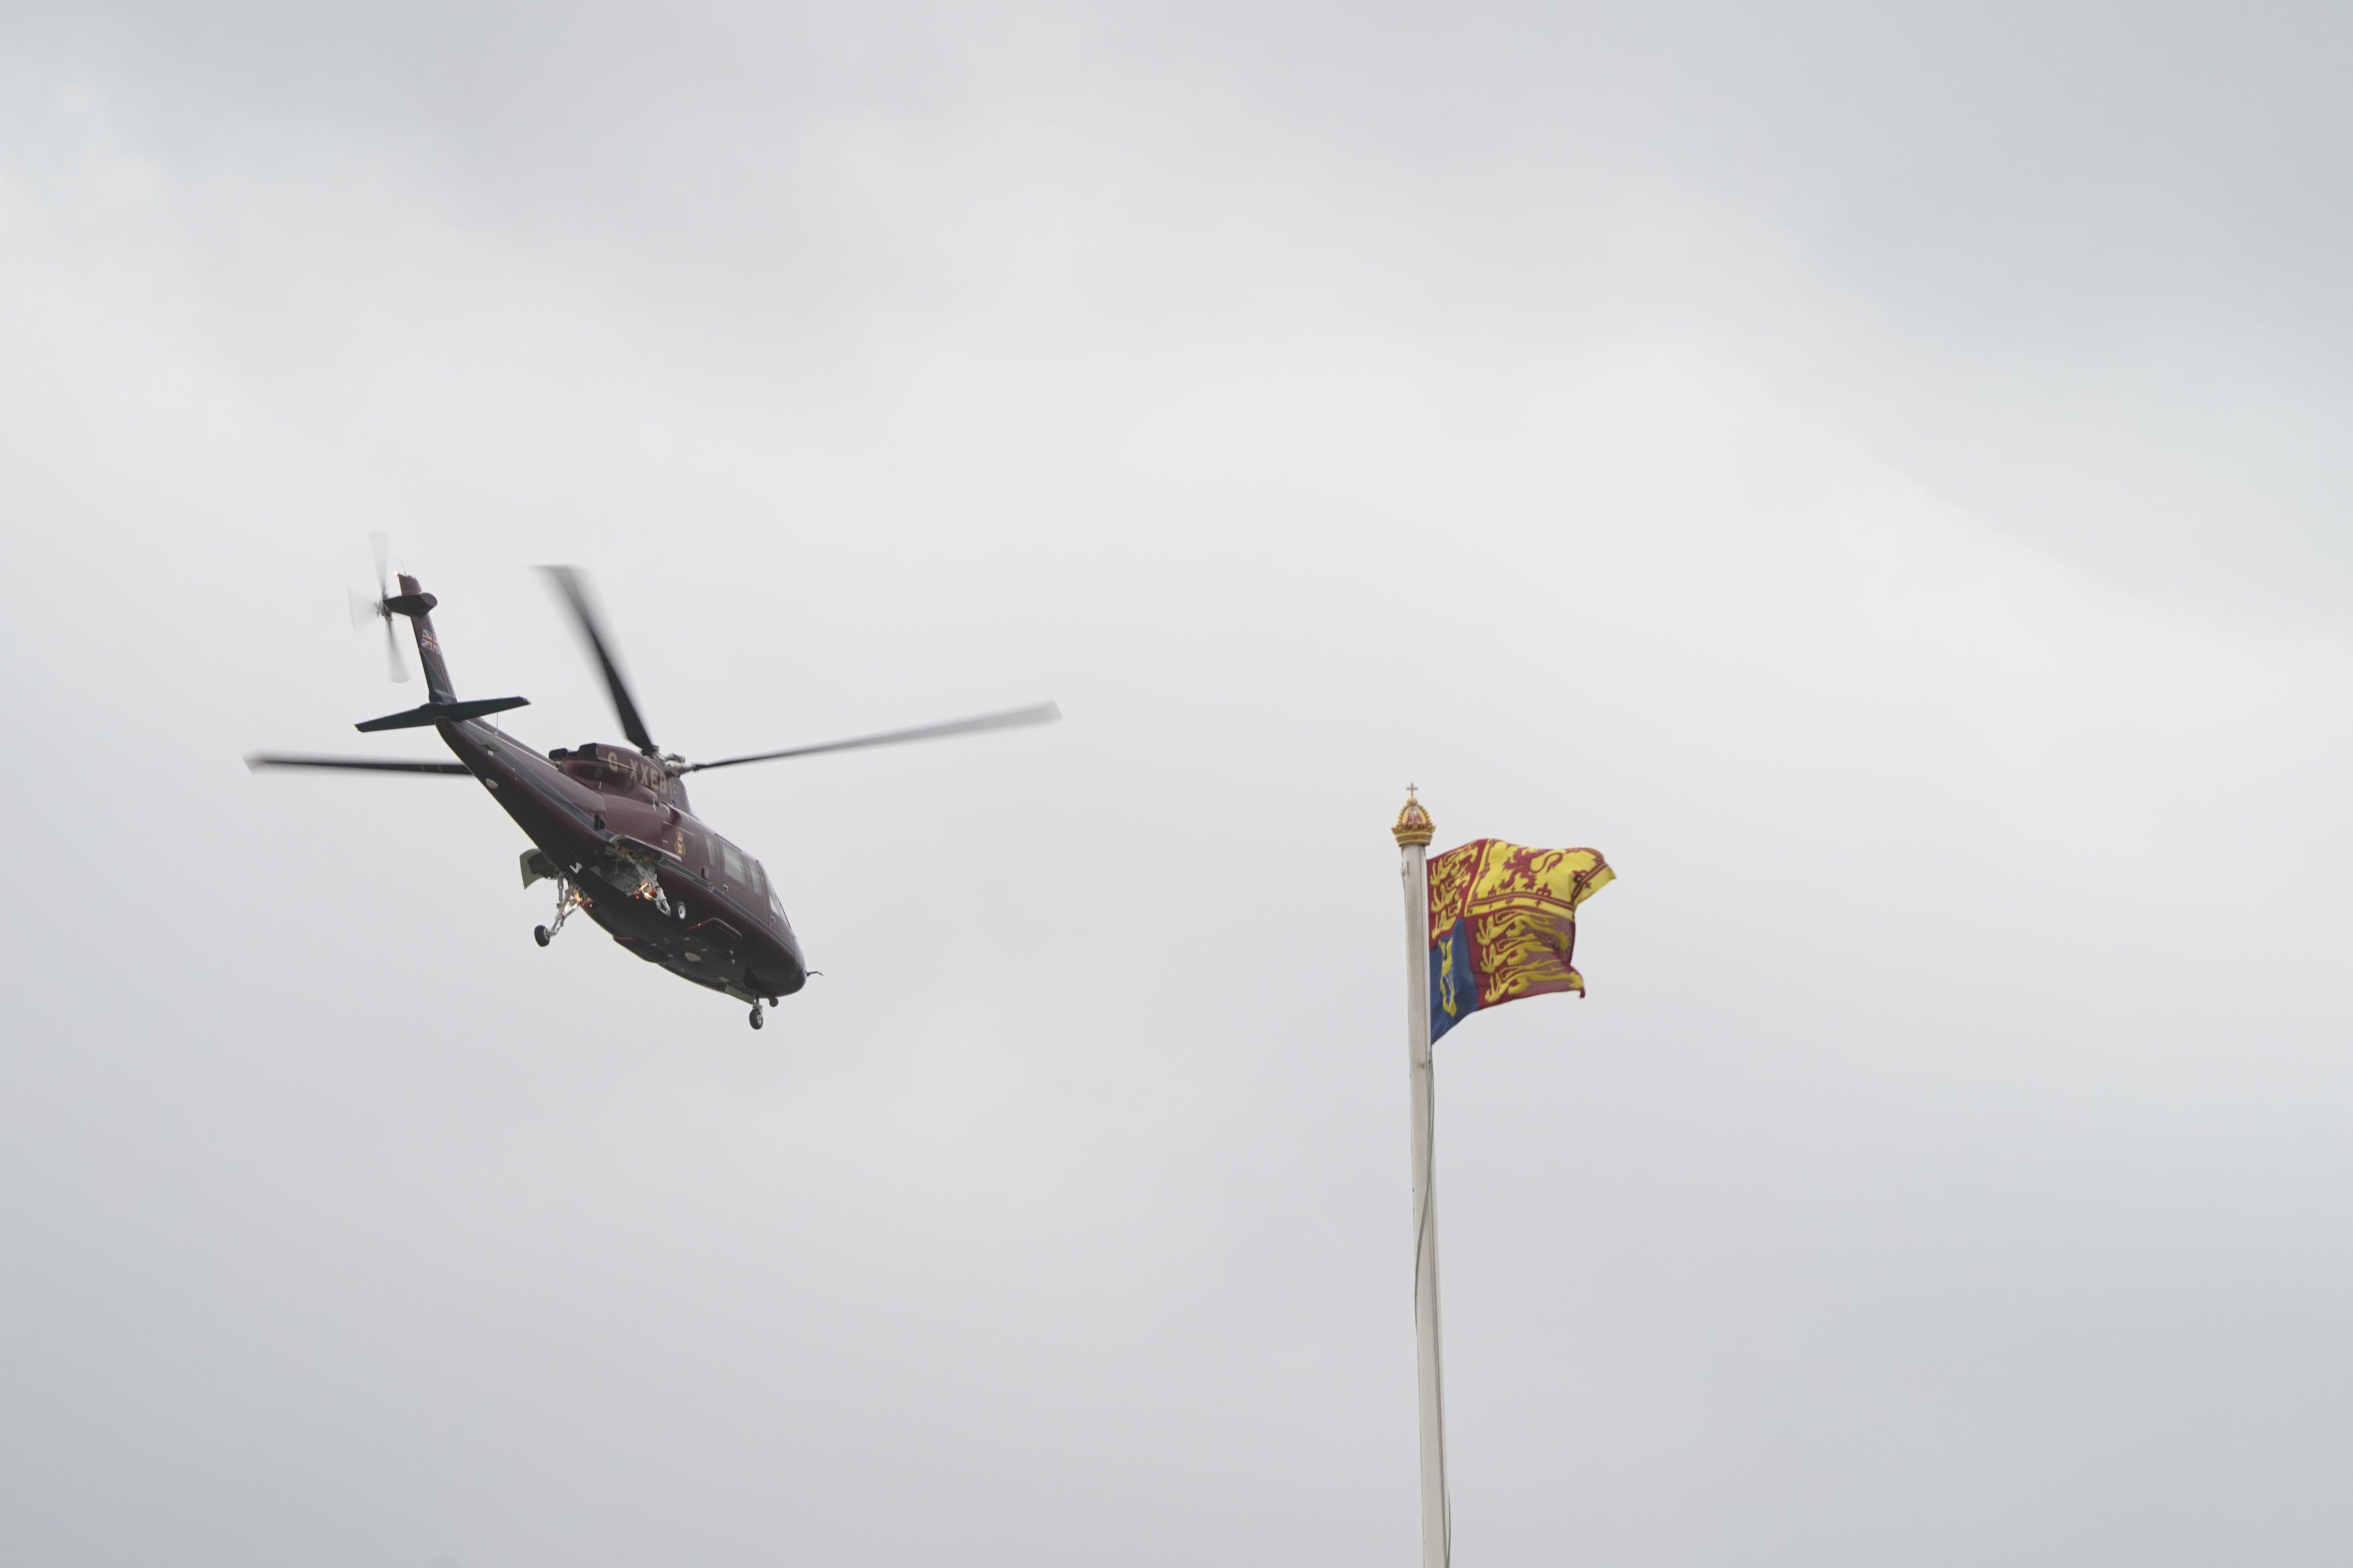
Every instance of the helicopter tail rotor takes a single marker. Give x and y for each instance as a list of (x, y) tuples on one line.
[(379, 609)]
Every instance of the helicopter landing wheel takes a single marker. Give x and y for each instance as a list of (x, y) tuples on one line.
[(568, 898), (759, 1017)]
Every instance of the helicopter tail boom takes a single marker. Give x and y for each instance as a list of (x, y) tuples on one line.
[(414, 602), (417, 604)]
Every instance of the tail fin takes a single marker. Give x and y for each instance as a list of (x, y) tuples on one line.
[(414, 602), (443, 707)]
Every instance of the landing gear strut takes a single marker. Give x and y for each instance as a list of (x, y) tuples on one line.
[(759, 1016), (568, 898)]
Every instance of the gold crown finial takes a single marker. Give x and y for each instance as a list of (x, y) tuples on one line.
[(1413, 825)]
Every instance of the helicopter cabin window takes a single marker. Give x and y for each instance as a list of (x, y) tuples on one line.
[(733, 858)]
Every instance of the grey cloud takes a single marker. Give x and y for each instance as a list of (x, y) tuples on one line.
[(1868, 471)]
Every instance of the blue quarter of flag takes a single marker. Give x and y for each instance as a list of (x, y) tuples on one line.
[(1453, 983)]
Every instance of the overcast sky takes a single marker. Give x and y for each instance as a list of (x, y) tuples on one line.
[(1876, 472)]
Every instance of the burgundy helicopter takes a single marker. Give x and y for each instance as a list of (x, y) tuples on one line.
[(610, 825)]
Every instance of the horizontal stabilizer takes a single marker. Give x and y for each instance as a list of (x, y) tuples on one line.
[(442, 712)]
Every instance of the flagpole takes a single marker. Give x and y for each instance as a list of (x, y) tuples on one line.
[(1413, 831)]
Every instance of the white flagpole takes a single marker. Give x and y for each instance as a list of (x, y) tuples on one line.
[(1413, 830)]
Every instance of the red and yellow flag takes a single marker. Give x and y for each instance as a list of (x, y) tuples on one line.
[(1502, 924)]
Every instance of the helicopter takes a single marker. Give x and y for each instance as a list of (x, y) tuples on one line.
[(610, 825)]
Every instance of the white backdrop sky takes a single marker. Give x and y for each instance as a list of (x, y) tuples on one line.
[(1874, 471)]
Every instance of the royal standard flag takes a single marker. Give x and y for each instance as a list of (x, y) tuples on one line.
[(1503, 925)]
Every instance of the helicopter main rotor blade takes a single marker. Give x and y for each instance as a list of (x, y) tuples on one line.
[(256, 761), (1043, 713), (573, 587)]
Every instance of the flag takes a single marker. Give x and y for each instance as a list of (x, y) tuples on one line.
[(1502, 924)]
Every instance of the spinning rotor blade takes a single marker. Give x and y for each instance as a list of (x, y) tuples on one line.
[(1043, 713), (256, 761), (393, 665), (573, 587), (365, 609)]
